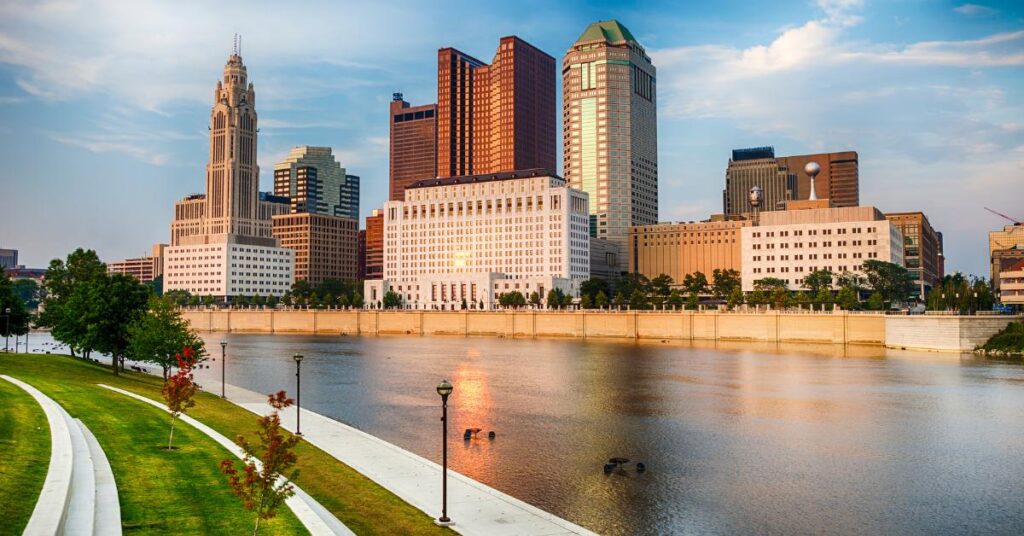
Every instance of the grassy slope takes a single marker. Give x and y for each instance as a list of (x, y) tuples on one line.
[(24, 455), (361, 504)]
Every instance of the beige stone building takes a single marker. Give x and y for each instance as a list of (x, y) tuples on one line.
[(1011, 283), (145, 269), (678, 249), (325, 246), (1009, 238), (810, 236), (610, 133), (752, 167)]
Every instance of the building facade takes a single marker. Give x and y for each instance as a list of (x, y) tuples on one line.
[(315, 182), (610, 132), (413, 146), (221, 241), (756, 167), (496, 117), (790, 244), (361, 255), (470, 239), (839, 179), (922, 249), (1009, 238), (678, 249), (1011, 283), (606, 259), (326, 247), (145, 269), (374, 267), (8, 258)]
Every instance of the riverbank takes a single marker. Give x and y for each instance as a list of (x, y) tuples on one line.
[(922, 332)]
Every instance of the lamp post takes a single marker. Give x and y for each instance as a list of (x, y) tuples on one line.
[(7, 327), (444, 389), (298, 392), (223, 357)]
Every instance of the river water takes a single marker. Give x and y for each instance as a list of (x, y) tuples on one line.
[(737, 438)]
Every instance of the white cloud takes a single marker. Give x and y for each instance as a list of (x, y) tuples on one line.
[(100, 145), (975, 10)]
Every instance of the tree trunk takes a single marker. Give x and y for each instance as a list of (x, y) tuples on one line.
[(166, 368), (256, 529), (113, 361), (170, 440)]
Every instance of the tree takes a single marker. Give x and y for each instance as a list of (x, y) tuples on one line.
[(159, 335), (735, 297), (847, 299), (535, 299), (781, 297), (769, 284), (265, 481), (757, 297), (620, 299), (27, 290), (272, 302), (556, 297), (628, 283), (465, 305), (17, 321), (894, 282), (357, 300), (817, 280), (823, 297), (287, 299), (696, 282), (876, 302), (180, 389), (392, 300), (724, 282), (660, 288), (675, 299), (208, 300), (601, 300), (480, 305), (585, 302), (693, 301), (106, 307), (62, 280), (301, 289), (591, 287), (241, 300), (637, 300)]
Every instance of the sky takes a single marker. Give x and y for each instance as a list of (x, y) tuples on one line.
[(104, 105)]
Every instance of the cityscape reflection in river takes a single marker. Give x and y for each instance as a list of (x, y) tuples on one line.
[(738, 438)]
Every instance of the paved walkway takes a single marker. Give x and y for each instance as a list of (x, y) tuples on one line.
[(318, 520), (475, 508)]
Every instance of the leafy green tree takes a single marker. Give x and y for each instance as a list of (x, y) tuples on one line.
[(357, 300), (693, 301), (241, 300), (619, 300), (27, 290), (592, 286), (660, 288), (876, 302), (735, 297), (696, 282), (817, 280), (630, 282), (63, 279), (465, 305), (637, 300), (194, 300), (555, 298), (724, 282), (392, 300), (781, 297), (272, 302), (17, 321), (757, 297), (801, 298), (156, 286), (769, 284), (535, 299), (287, 299), (302, 289), (108, 306), (601, 299), (343, 301), (585, 302), (158, 335), (847, 299), (480, 305), (208, 300), (894, 282), (823, 297), (675, 299)]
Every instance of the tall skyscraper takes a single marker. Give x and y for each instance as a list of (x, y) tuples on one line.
[(838, 180), (498, 117), (373, 267), (610, 131), (756, 167), (316, 183), (413, 145)]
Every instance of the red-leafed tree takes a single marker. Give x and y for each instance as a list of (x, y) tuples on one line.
[(265, 479), (180, 389)]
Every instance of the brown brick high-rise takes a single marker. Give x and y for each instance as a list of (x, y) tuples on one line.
[(413, 145), (838, 181), (498, 117)]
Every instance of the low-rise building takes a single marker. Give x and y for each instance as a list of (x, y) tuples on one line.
[(678, 249), (145, 268), (229, 268), (1011, 237), (1011, 283), (922, 249), (325, 246), (8, 258), (606, 260), (469, 239), (810, 236)]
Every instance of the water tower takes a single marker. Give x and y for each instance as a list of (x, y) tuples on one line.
[(812, 169), (756, 196)]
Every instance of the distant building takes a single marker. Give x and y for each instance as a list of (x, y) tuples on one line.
[(496, 117), (20, 272), (838, 180), (470, 239), (361, 255), (145, 269), (1003, 259), (610, 133), (679, 249), (922, 249), (790, 244), (221, 241), (413, 154), (1011, 283), (1009, 238), (606, 259), (325, 246), (374, 263), (315, 182), (756, 167), (8, 258)]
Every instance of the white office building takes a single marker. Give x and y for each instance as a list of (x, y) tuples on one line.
[(229, 269), (811, 235), (474, 238)]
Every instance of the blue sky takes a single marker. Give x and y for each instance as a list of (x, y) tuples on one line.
[(104, 104)]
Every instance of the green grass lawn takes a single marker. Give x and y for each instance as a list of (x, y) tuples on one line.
[(183, 491), (24, 455)]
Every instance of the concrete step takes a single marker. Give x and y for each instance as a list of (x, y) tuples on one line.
[(81, 507), (107, 520)]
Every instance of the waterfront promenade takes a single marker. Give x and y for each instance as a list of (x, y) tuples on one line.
[(474, 508)]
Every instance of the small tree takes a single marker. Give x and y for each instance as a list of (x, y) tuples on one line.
[(823, 297), (601, 300), (735, 297), (535, 299), (357, 300), (876, 302), (693, 301), (556, 298), (637, 300), (180, 389), (620, 299), (265, 481), (159, 335), (392, 300), (675, 299), (585, 302), (465, 305), (847, 299)]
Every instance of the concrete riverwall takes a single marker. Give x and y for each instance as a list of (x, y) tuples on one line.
[(941, 333), (833, 328)]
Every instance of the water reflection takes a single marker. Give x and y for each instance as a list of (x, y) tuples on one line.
[(739, 438)]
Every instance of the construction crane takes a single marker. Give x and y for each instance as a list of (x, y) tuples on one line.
[(1015, 221)]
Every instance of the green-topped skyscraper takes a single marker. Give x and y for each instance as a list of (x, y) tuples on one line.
[(610, 134)]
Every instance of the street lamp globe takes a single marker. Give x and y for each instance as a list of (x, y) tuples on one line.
[(444, 388), (223, 344), (297, 357)]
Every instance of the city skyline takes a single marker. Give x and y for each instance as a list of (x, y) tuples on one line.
[(130, 131)]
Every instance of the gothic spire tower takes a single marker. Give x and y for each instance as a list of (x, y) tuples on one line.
[(232, 175)]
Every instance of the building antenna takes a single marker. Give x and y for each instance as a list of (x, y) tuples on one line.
[(234, 45), (239, 45)]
